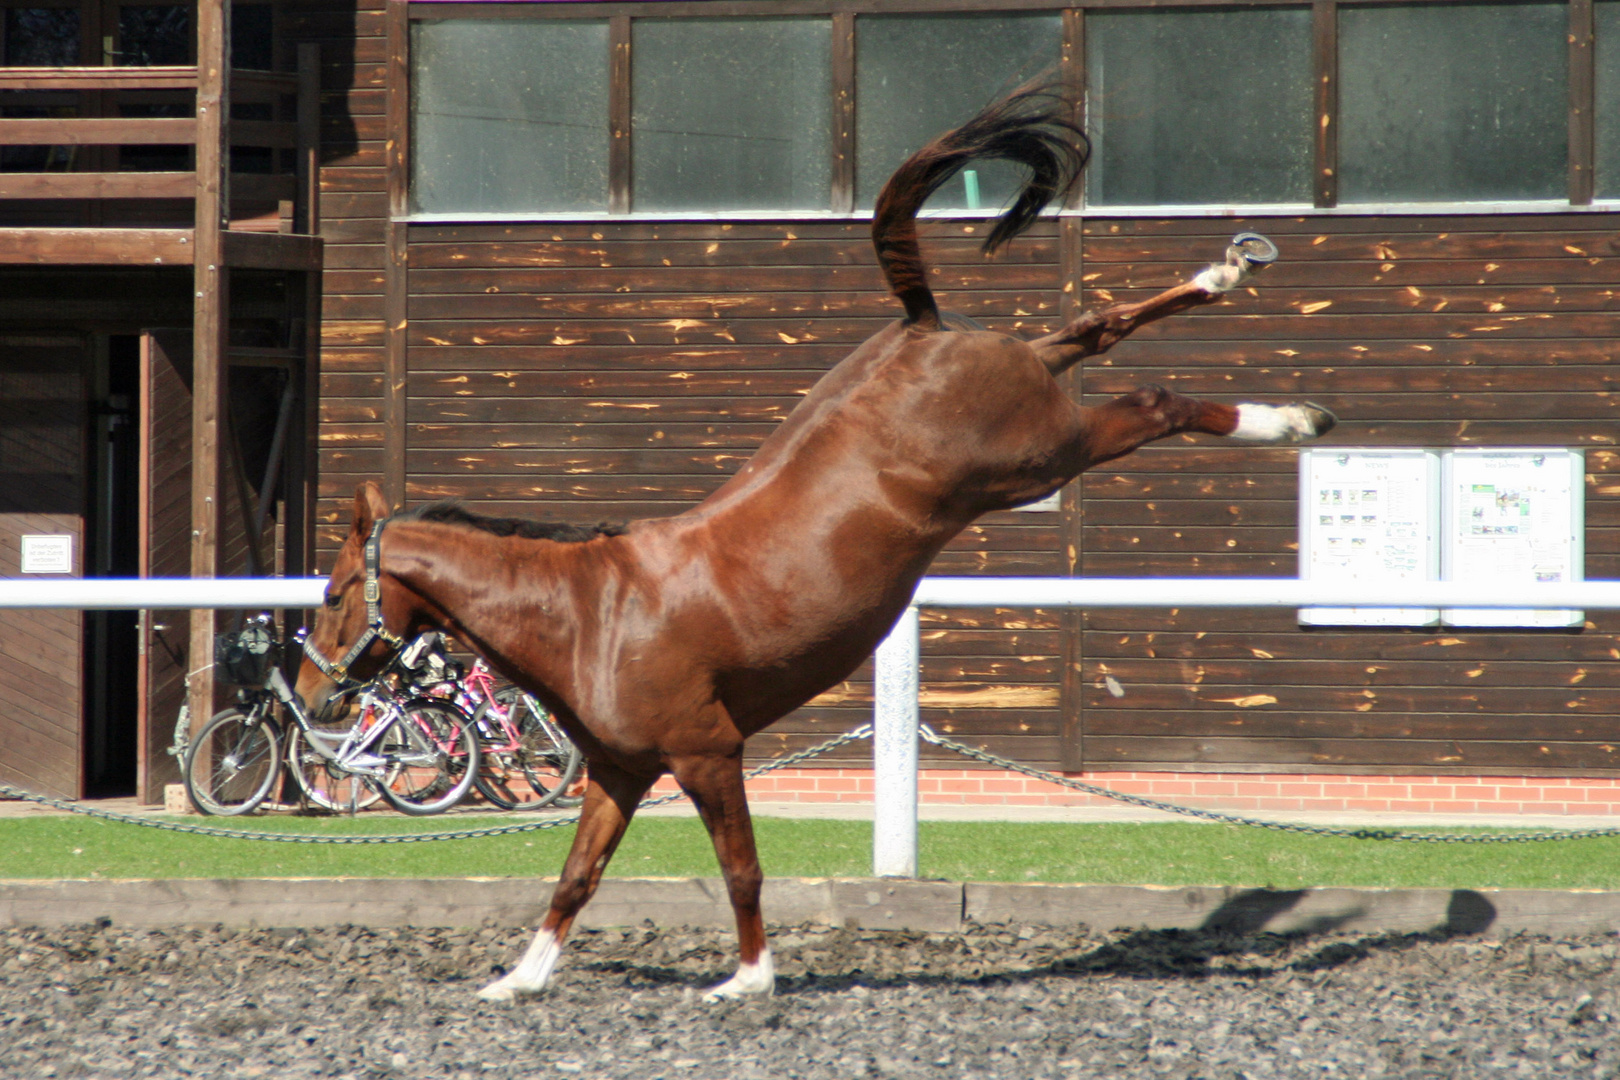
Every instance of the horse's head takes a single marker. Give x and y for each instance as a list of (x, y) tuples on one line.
[(351, 641)]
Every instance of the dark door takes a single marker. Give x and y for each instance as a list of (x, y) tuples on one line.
[(165, 547)]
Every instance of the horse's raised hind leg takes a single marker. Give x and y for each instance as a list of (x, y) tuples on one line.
[(1117, 427), (715, 785), (611, 797)]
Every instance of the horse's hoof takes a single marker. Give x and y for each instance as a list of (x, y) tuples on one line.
[(752, 980), (1256, 250), (1322, 419)]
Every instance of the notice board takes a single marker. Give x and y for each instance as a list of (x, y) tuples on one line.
[(1514, 516), (1369, 515)]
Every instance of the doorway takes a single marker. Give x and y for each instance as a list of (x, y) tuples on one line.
[(112, 550)]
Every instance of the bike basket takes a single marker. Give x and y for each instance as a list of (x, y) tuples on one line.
[(246, 656)]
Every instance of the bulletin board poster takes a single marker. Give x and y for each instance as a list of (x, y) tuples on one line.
[(1369, 515), (1514, 516)]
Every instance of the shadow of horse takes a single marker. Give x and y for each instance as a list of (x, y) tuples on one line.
[(1236, 932)]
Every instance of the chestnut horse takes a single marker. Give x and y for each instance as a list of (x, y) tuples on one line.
[(663, 646)]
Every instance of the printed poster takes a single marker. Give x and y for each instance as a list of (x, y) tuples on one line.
[(1368, 515)]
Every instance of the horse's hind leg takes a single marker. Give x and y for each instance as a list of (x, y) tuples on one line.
[(1117, 427), (611, 796), (715, 785)]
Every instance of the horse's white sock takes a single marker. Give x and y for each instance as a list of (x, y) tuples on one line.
[(756, 978), (532, 972), (1274, 423)]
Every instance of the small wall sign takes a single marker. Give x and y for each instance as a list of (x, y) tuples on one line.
[(47, 555)]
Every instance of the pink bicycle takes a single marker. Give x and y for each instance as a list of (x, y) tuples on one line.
[(526, 762)]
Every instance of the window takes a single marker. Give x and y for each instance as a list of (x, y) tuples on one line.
[(731, 114), (509, 116), (917, 76), (1607, 113), (1440, 101), (1453, 102), (1199, 107)]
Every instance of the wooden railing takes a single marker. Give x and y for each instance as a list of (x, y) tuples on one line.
[(295, 190)]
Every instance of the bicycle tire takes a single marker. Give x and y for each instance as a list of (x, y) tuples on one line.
[(232, 763), (498, 770), (436, 748), (325, 785), (551, 762)]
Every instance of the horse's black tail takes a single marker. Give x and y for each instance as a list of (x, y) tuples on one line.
[(1032, 126)]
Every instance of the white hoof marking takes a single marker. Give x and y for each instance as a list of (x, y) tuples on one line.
[(757, 978), (532, 972), (1275, 423)]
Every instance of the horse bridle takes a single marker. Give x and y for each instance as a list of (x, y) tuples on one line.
[(375, 630)]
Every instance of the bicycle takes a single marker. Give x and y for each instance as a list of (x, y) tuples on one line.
[(518, 736), (420, 754)]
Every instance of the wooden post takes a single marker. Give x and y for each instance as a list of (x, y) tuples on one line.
[(1325, 48), (843, 118), (394, 272), (619, 149), (308, 214), (211, 329), (1582, 103), (1071, 246)]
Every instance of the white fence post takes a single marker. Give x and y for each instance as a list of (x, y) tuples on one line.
[(894, 751)]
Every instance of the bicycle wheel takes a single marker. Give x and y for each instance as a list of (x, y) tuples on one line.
[(549, 759), (324, 784), (500, 777), (435, 746), (232, 763)]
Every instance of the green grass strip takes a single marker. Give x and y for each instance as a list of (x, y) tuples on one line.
[(1127, 854)]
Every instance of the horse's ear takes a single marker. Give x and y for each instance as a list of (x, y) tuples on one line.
[(369, 506)]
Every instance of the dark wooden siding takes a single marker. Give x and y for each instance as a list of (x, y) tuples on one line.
[(1482, 331), (354, 213), (591, 372), (42, 441)]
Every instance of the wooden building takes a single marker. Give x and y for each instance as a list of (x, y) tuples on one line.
[(580, 258)]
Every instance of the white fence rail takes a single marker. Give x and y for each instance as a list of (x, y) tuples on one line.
[(895, 709)]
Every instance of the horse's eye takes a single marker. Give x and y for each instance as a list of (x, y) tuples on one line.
[(331, 601)]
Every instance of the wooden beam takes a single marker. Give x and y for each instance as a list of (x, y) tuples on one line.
[(99, 78), (136, 185), (96, 247), (308, 201), (97, 185), (126, 131), (843, 117), (395, 269), (1325, 68), (620, 148), (1582, 103), (211, 331), (1071, 241), (273, 251)]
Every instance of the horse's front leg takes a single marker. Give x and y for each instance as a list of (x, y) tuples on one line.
[(715, 785), (1098, 331), (1116, 428), (611, 797)]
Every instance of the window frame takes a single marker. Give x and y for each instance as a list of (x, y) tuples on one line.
[(844, 14)]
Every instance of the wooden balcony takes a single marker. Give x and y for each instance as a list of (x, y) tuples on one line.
[(268, 220)]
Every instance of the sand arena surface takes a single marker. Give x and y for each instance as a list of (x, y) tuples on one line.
[(101, 1001)]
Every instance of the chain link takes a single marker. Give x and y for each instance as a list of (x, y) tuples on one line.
[(929, 735), (864, 731), (9, 791)]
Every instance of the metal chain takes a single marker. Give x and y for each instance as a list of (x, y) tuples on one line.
[(864, 731), (929, 735)]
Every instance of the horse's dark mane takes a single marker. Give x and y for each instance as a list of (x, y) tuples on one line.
[(450, 512), (1034, 126)]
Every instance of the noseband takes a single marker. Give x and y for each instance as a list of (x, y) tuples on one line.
[(375, 630)]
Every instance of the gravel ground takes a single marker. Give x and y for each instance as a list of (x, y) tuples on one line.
[(102, 1001)]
